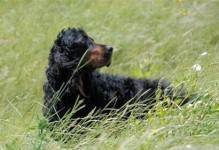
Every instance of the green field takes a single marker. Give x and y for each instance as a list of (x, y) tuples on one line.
[(151, 38)]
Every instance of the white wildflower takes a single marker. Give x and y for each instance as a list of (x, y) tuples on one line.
[(189, 146), (204, 53), (190, 106), (197, 67)]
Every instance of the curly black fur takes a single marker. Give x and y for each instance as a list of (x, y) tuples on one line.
[(72, 73)]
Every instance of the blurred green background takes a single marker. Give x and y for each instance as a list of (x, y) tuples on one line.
[(151, 38)]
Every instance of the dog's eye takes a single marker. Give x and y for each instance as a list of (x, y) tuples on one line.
[(90, 41), (79, 46), (76, 47)]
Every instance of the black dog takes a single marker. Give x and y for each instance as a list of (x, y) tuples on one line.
[(72, 74)]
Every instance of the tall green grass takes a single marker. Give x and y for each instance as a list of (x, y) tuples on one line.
[(152, 38)]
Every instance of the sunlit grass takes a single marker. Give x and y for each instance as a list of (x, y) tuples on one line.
[(152, 39)]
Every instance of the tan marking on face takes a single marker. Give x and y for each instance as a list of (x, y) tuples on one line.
[(96, 56)]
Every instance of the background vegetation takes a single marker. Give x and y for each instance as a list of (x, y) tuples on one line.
[(175, 39)]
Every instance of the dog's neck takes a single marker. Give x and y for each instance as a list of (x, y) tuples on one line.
[(83, 75)]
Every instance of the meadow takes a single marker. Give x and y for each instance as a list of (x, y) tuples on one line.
[(174, 39)]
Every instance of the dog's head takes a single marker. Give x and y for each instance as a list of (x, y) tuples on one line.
[(79, 46)]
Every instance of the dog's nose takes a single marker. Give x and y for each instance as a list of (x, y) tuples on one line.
[(109, 49)]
